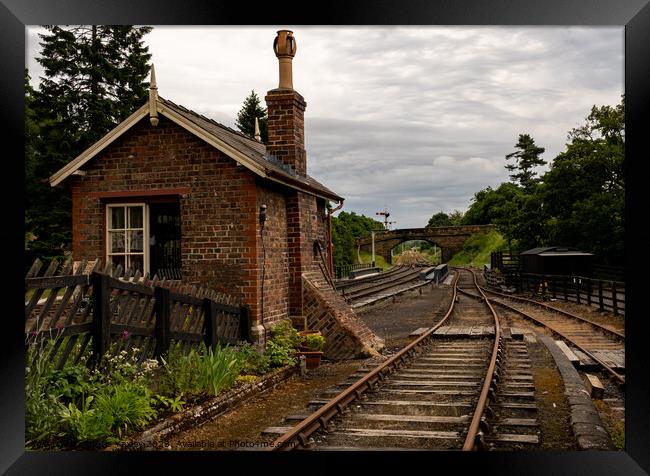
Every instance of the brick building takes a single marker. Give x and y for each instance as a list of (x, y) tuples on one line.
[(171, 192)]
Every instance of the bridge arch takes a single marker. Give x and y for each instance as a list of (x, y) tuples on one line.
[(449, 238)]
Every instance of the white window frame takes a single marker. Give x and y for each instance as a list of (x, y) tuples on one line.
[(145, 232)]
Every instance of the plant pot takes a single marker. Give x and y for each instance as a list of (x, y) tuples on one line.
[(312, 358)]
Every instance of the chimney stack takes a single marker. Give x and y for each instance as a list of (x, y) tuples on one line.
[(286, 110)]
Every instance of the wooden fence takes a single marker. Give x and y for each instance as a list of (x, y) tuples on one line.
[(607, 295), (87, 310)]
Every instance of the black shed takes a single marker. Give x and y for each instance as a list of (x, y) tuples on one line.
[(556, 260)]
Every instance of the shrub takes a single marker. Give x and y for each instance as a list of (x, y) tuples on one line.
[(180, 372), (127, 405), (87, 424), (285, 335), (252, 361), (314, 342), (218, 369), (42, 407), (279, 355)]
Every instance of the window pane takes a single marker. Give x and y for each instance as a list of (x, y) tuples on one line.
[(136, 262), (117, 217), (135, 217), (116, 242), (136, 241), (116, 260)]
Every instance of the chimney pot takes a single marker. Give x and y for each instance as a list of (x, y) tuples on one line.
[(284, 47)]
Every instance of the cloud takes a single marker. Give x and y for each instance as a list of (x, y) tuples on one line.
[(416, 119)]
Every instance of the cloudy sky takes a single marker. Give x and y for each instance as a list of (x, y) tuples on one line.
[(412, 119)]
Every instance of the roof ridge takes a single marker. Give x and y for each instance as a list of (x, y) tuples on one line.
[(212, 121)]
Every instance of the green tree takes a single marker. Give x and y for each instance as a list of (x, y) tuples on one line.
[(583, 193), (246, 117), (346, 229), (527, 156), (439, 219), (501, 207), (94, 77)]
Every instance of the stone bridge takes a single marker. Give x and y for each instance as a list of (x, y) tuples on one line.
[(449, 238)]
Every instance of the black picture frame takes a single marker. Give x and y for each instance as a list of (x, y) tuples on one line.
[(634, 15)]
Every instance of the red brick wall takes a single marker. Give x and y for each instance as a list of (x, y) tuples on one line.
[(218, 215), (346, 336), (219, 200), (276, 263)]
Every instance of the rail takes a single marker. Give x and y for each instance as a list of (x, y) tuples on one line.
[(319, 419)]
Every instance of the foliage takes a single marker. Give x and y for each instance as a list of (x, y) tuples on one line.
[(42, 422), (180, 372), (584, 192), (315, 342), (174, 404), (526, 158), (366, 257), (127, 405), (93, 79), (87, 424), (252, 361), (284, 334), (455, 218), (476, 250), (218, 369), (279, 355), (202, 370), (246, 117), (346, 229), (282, 344)]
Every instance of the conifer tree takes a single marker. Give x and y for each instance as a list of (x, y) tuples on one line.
[(247, 114), (526, 157), (94, 77)]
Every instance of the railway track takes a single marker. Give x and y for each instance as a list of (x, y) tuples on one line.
[(604, 345), (466, 391), (397, 279)]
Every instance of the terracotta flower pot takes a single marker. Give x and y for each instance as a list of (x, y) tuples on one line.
[(312, 358)]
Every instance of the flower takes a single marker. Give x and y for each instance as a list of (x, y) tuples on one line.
[(124, 335)]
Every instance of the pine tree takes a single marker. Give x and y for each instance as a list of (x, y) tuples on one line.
[(526, 158), (247, 114), (94, 77)]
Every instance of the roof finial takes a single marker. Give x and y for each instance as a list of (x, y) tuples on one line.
[(258, 137), (153, 98)]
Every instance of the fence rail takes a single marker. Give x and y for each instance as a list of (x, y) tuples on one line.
[(86, 307), (607, 295), (341, 272)]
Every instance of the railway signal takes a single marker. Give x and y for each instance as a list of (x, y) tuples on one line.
[(387, 223)]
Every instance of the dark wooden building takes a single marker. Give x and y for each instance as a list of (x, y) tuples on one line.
[(556, 260)]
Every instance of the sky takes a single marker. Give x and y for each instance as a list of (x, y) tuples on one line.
[(414, 120)]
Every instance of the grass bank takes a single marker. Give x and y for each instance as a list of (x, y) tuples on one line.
[(477, 249)]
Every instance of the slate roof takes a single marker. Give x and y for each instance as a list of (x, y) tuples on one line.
[(265, 165), (252, 149)]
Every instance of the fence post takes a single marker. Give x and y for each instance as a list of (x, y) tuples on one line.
[(614, 300), (244, 323), (554, 287), (209, 323), (600, 295), (101, 327), (589, 292), (162, 309), (578, 288)]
